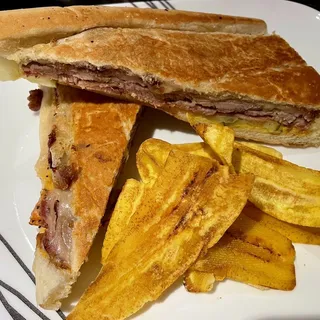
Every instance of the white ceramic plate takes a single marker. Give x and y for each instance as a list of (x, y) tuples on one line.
[(19, 191)]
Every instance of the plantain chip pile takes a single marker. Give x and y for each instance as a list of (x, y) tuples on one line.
[(250, 251), (209, 211), (156, 236)]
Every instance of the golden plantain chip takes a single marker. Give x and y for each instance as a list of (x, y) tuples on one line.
[(248, 252), (151, 157), (182, 173), (297, 234), (245, 262), (126, 205), (259, 235), (223, 197), (259, 147), (199, 149), (219, 137), (196, 281), (217, 128), (153, 153), (202, 282), (284, 190)]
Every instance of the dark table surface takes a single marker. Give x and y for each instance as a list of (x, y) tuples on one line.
[(36, 3)]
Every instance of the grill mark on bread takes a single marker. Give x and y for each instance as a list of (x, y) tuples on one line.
[(65, 176), (101, 157)]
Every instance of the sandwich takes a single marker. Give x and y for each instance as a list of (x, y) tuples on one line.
[(84, 139), (258, 85), (27, 27), (84, 136)]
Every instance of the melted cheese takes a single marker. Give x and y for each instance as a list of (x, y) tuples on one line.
[(46, 122), (42, 81), (9, 70), (268, 126)]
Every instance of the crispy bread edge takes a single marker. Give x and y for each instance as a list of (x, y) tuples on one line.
[(27, 27)]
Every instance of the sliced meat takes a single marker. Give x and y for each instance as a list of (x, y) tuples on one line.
[(57, 217), (63, 176), (53, 212), (63, 173), (35, 99), (149, 91), (52, 137)]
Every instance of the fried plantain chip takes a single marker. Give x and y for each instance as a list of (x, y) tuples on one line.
[(181, 174), (257, 234), (199, 149), (128, 200), (223, 197), (284, 190), (245, 262), (219, 137), (297, 234), (153, 154), (256, 146), (234, 259), (218, 128), (248, 252), (151, 157), (202, 282), (196, 281)]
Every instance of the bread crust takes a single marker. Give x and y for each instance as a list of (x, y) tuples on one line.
[(27, 27), (227, 66), (52, 284), (98, 132), (309, 138), (105, 127)]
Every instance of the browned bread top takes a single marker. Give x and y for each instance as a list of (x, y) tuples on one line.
[(227, 66), (27, 27), (101, 130)]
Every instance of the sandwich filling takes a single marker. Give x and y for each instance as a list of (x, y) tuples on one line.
[(57, 220), (150, 91), (53, 212)]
